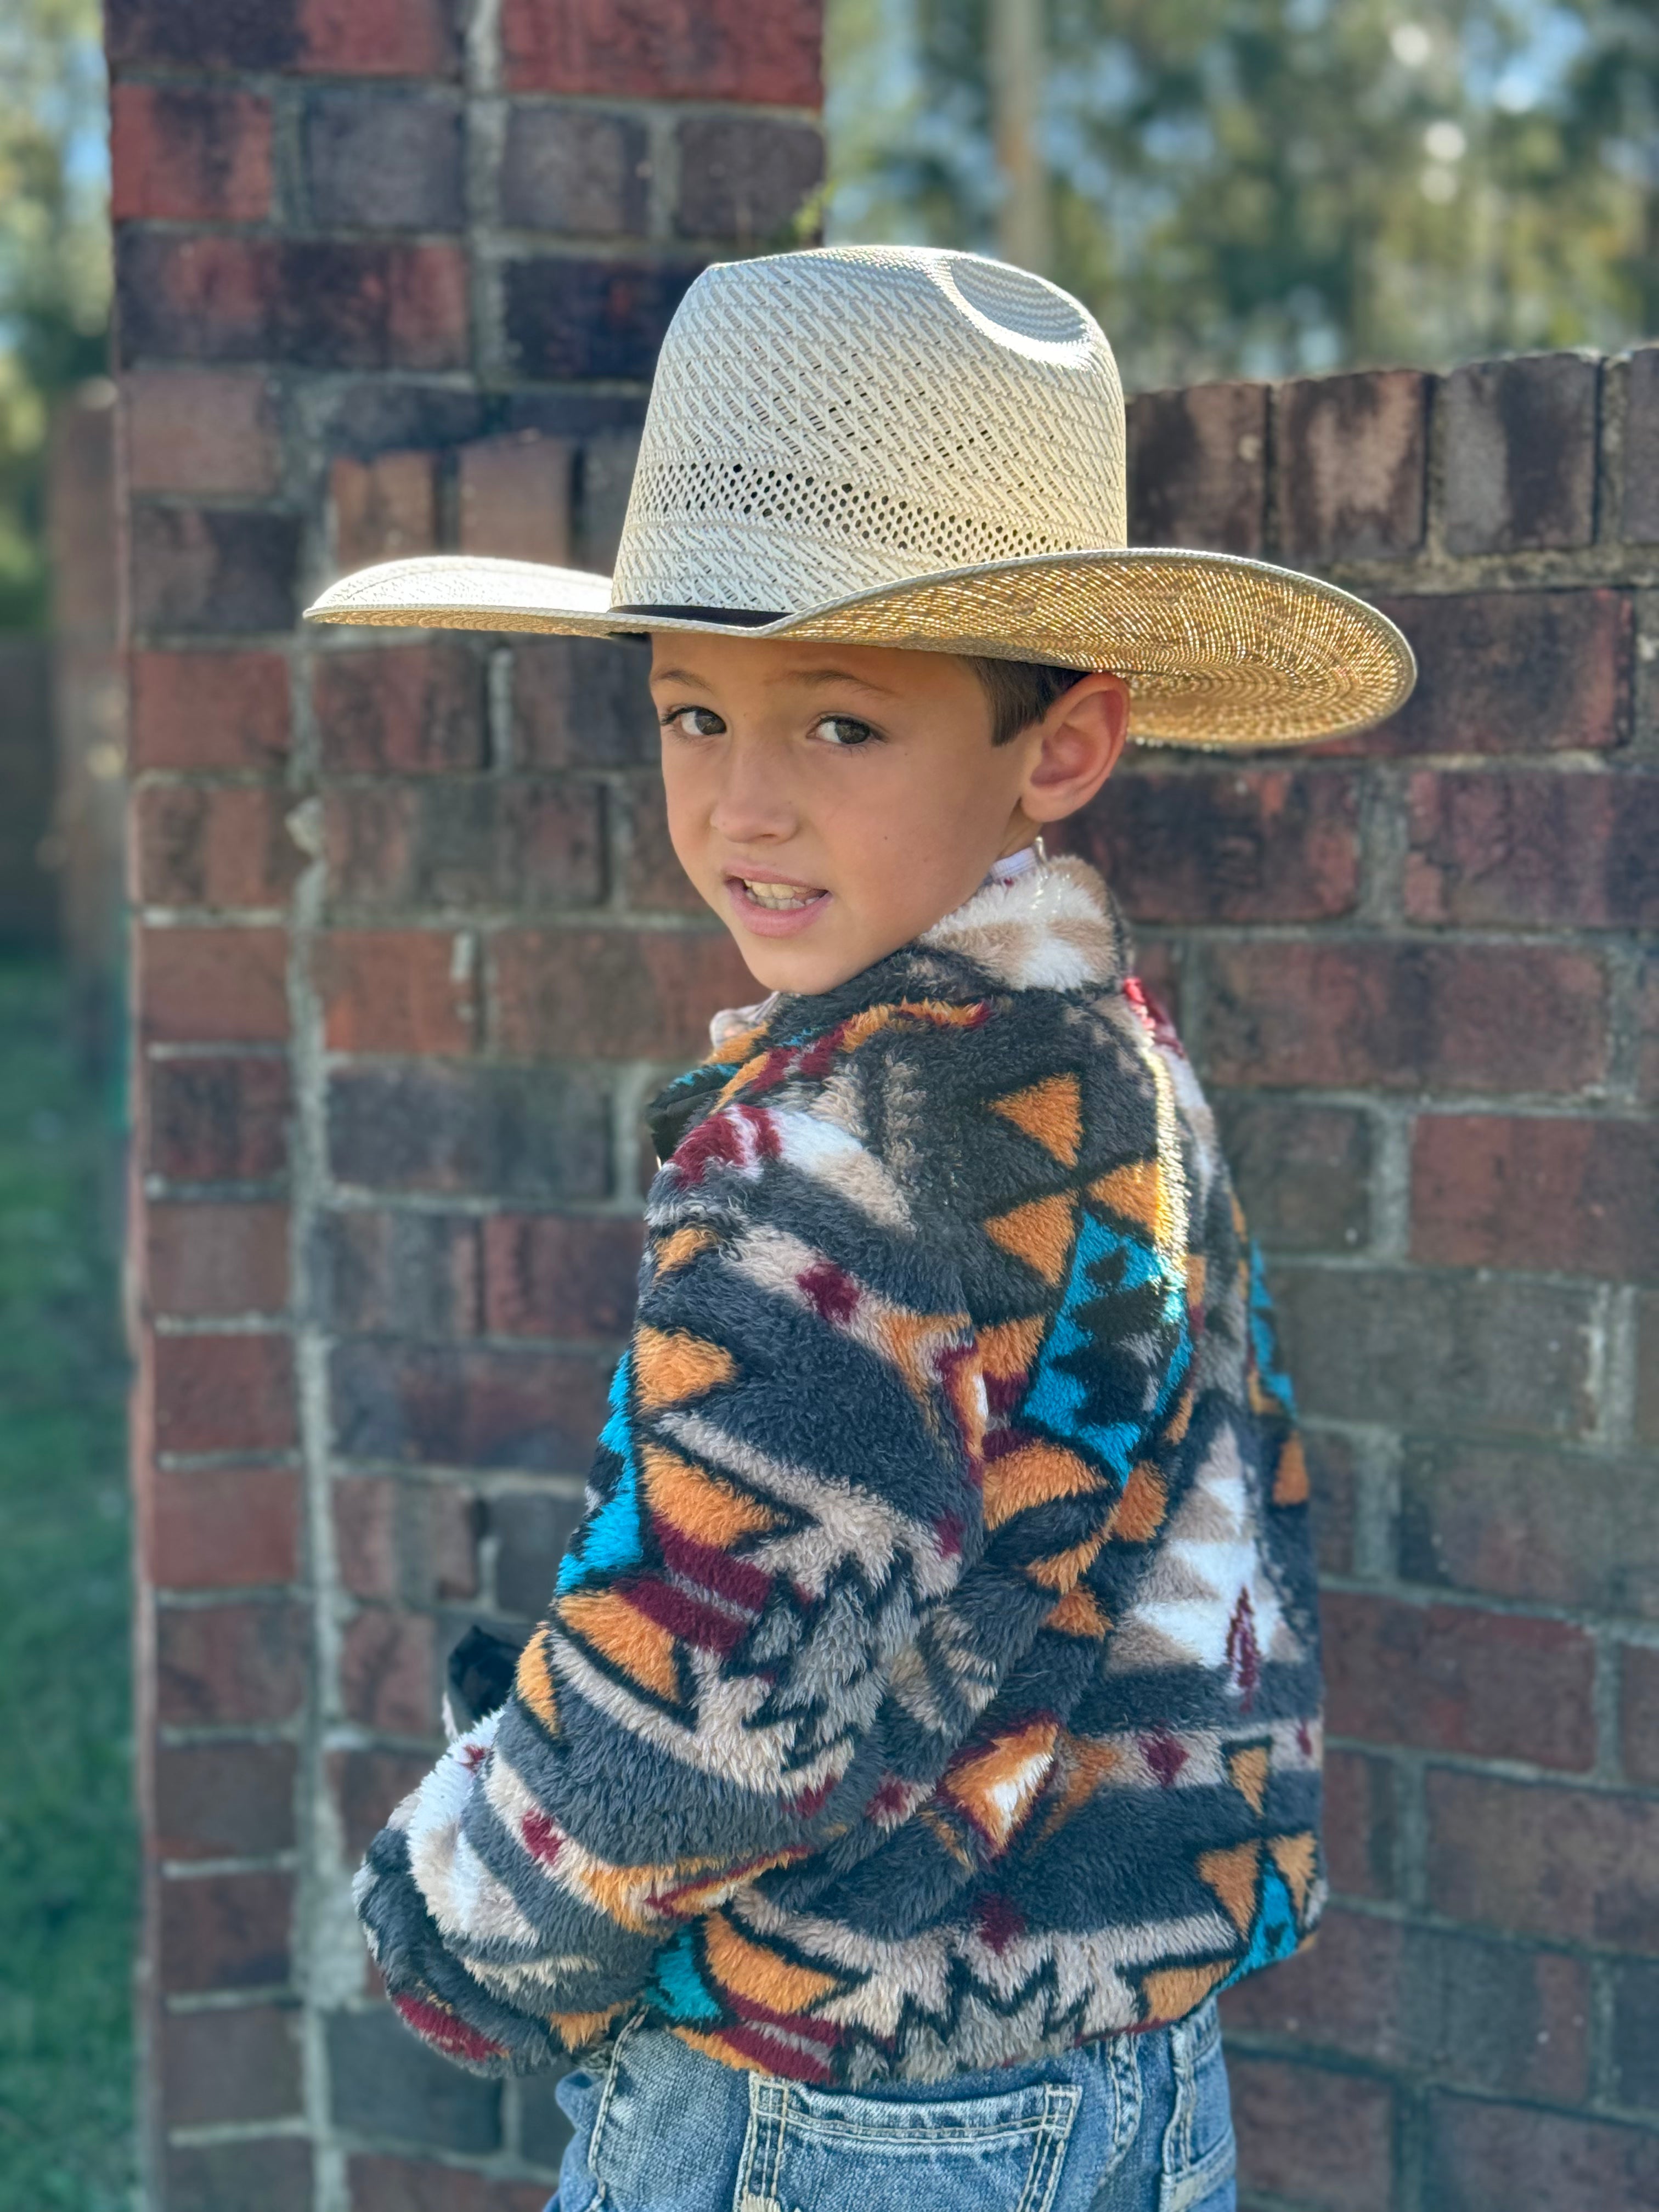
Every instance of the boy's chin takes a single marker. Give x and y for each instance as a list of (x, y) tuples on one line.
[(796, 964)]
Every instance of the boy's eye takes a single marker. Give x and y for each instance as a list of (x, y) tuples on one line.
[(694, 721), (843, 730)]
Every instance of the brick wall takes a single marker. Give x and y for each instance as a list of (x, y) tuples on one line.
[(411, 947), (1420, 970)]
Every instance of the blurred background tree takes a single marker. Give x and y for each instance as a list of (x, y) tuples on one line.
[(1266, 187), (54, 261)]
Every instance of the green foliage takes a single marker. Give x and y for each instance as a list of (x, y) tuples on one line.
[(1258, 186), (54, 261)]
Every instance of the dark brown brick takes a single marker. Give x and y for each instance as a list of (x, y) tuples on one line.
[(1197, 467), (582, 702), (532, 1530), (405, 707), (573, 319), (1520, 453), (396, 2185), (1361, 1824), (213, 570), (367, 1785), (1256, 844), (417, 1542), (546, 1275), (666, 48), (383, 508), (201, 430), (1334, 1467), (224, 1393), (204, 1259), (1311, 2137), (527, 847), (1577, 1196), (1647, 1027), (1493, 2158), (1450, 1678), (745, 177), (1559, 1528), (224, 1528), (1502, 846), (544, 2130), (380, 160), (1639, 518), (231, 2063), (388, 1673), (403, 1273), (613, 993), (225, 1931), (1351, 464), (514, 497), (576, 172), (512, 1133), (655, 881), (204, 34), (1566, 1865), (1302, 1171), (1638, 1711), (1406, 1016), (1635, 2039), (1647, 1367), (217, 1119), (225, 1664), (468, 1408), (214, 845), (1510, 672), (398, 991), (384, 2083), (268, 2174), (189, 153), (1438, 1351), (224, 1800)]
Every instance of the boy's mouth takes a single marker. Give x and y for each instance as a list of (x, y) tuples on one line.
[(771, 905)]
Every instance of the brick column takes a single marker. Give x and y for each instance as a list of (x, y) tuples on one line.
[(1419, 971), (409, 948)]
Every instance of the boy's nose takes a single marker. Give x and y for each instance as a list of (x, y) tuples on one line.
[(753, 802)]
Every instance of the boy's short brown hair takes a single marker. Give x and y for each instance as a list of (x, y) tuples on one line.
[(1021, 692)]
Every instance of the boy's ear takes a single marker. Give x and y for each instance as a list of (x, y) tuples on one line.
[(1075, 747)]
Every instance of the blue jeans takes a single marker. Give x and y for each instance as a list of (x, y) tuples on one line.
[(1126, 2123)]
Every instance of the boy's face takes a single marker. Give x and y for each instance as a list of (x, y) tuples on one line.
[(831, 803)]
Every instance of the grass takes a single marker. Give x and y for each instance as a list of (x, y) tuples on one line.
[(68, 1844)]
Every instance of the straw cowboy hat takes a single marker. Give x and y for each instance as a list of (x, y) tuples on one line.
[(882, 444)]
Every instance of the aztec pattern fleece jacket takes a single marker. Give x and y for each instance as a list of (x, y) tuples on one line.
[(933, 1680)]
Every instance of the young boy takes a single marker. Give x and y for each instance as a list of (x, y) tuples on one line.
[(926, 1723)]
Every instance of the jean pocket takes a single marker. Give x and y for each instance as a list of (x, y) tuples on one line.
[(1200, 2155), (808, 2150)]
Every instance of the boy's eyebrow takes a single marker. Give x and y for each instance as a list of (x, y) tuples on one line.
[(789, 675)]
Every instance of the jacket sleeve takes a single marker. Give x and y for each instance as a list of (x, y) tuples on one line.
[(785, 1498)]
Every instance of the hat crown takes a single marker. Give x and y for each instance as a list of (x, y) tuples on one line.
[(837, 420)]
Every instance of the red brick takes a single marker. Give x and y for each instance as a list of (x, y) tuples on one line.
[(203, 571), (1640, 518), (468, 1407), (381, 38), (399, 1273), (1409, 1017), (1361, 1823), (382, 160), (384, 509), (269, 2173), (526, 845), (1351, 457), (582, 702), (1302, 1171), (396, 2185), (225, 1931), (1577, 1196), (1569, 1529), (239, 2063), (368, 1786), (1647, 1028), (746, 177), (1197, 467), (1639, 1708), (223, 1393), (206, 1259), (514, 494), (388, 1678), (214, 845), (225, 1528), (1449, 1678), (398, 991), (226, 1664), (614, 994), (312, 303), (224, 1800), (1520, 453), (1500, 846), (665, 49), (201, 429), (1320, 2140), (411, 706), (372, 38), (196, 710), (1486, 2015), (1269, 844), (1510, 672), (654, 880), (549, 1276), (413, 1541), (189, 154), (1496, 2158), (1567, 1865), (217, 1119)]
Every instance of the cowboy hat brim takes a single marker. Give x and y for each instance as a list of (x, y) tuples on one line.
[(1218, 651)]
